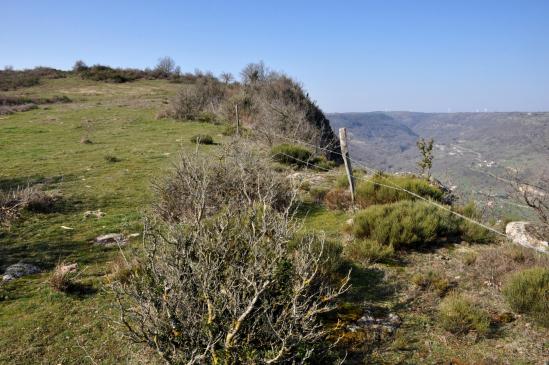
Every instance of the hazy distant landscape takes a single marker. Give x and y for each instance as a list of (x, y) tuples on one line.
[(472, 150)]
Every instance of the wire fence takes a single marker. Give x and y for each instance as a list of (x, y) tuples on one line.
[(389, 185)]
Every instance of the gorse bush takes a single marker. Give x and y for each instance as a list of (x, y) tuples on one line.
[(291, 154), (469, 231), (202, 139), (14, 79), (368, 251), (527, 292), (109, 74), (404, 223), (230, 281), (369, 192), (459, 315)]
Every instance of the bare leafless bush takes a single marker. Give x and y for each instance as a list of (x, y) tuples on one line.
[(13, 202), (203, 97), (534, 194), (198, 187), (493, 264), (233, 284)]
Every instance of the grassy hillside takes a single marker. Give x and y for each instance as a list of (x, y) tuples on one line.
[(42, 146), (130, 148)]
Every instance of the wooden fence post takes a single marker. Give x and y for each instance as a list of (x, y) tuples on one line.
[(347, 161), (237, 121)]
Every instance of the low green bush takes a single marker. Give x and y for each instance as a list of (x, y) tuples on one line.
[(202, 139), (469, 231), (290, 154), (404, 223), (369, 192), (527, 292), (368, 251), (459, 315)]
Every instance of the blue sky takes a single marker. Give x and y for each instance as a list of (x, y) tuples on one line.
[(350, 55)]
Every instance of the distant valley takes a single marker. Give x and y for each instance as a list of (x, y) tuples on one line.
[(474, 152)]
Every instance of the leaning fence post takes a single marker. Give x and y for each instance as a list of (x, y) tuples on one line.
[(347, 161), (237, 121)]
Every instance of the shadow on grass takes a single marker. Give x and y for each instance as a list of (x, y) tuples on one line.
[(24, 181), (80, 290)]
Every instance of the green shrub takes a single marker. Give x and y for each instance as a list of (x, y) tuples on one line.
[(527, 292), (202, 139), (367, 251), (403, 223), (369, 193), (459, 315), (109, 74), (469, 231), (290, 154)]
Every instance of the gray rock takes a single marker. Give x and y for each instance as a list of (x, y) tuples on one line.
[(519, 234), (111, 239), (18, 270)]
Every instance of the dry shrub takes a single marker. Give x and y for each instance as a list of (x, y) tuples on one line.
[(13, 202), (458, 315), (198, 102), (122, 268), (432, 280), (338, 199), (202, 139), (318, 194), (493, 264), (63, 277), (241, 177), (39, 201), (226, 278)]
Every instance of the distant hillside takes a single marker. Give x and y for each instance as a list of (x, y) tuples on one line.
[(471, 148)]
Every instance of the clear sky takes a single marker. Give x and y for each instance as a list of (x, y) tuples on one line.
[(443, 55)]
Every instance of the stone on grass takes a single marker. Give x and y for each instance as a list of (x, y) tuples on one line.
[(19, 270), (94, 213), (111, 239)]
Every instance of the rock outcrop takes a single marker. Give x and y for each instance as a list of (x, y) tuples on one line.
[(520, 235)]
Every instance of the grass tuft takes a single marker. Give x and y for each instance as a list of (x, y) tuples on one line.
[(458, 315)]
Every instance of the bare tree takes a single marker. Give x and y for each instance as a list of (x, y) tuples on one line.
[(165, 66), (233, 283), (79, 66), (535, 195), (226, 77), (254, 73)]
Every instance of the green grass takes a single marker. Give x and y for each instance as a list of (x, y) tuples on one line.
[(42, 146)]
